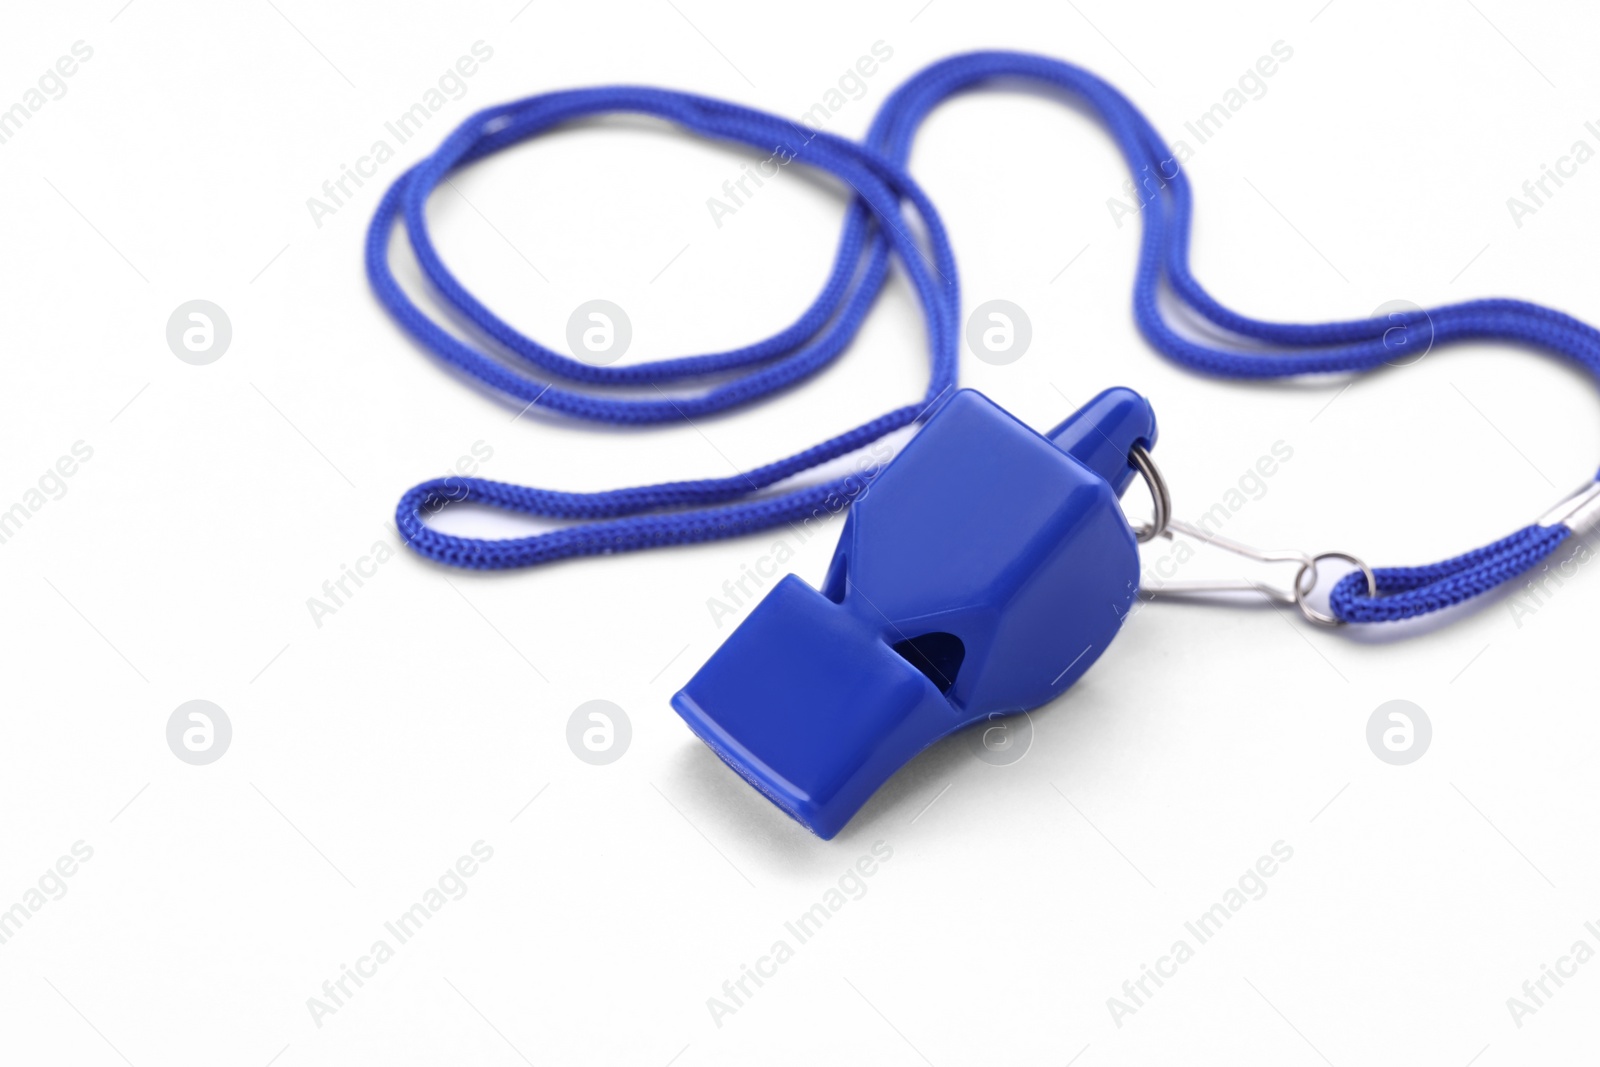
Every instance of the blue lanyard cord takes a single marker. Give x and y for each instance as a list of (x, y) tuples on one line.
[(637, 518), (876, 228), (1405, 592)]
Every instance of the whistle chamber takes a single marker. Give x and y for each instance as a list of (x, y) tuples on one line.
[(984, 570)]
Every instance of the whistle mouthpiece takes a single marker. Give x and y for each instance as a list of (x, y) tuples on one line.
[(981, 573)]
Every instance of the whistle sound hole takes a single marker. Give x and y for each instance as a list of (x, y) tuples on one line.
[(936, 655)]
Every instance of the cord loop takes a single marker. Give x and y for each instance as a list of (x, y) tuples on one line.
[(887, 209)]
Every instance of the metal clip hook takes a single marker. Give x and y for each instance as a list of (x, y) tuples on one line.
[(1577, 510), (1190, 587), (1305, 577), (1304, 583)]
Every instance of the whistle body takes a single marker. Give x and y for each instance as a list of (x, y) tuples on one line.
[(982, 571)]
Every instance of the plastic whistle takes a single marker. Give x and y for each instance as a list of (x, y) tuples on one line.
[(980, 574)]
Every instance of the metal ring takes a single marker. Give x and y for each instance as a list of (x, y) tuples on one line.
[(1139, 457), (1301, 590)]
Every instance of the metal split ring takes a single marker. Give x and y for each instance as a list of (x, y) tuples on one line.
[(1139, 457), (1303, 589)]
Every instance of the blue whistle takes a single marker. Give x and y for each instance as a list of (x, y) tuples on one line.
[(980, 574)]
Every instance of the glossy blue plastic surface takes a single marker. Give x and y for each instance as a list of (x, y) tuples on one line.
[(981, 573)]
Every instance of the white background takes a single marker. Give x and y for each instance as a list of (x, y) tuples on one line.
[(372, 751)]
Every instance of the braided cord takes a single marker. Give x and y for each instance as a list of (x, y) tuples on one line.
[(675, 512), (1406, 592), (888, 208)]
